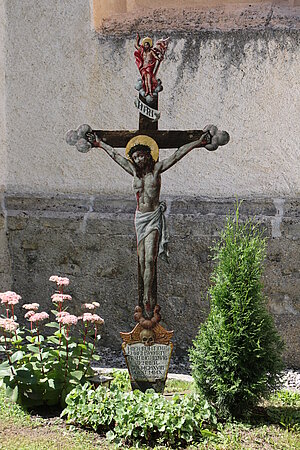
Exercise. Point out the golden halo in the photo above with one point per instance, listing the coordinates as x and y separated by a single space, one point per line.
147 39
143 140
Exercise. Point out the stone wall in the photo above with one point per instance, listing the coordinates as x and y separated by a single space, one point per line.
91 239
69 213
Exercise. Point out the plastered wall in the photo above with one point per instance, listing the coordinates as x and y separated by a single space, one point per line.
60 73
3 149
5 267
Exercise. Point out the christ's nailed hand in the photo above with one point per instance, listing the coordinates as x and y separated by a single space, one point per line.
91 137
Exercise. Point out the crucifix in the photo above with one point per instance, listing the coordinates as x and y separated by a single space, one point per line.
141 161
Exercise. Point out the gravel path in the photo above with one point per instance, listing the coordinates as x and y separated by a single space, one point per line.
291 380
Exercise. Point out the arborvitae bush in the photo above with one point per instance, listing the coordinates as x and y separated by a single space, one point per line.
236 356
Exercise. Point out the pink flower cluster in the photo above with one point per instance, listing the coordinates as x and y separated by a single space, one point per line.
37 317
90 306
60 281
29 314
68 319
8 324
31 306
61 314
93 318
60 298
9 297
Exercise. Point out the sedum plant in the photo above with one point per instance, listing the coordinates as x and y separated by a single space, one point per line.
42 369
236 356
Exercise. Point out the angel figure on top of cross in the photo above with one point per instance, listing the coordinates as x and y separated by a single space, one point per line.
148 59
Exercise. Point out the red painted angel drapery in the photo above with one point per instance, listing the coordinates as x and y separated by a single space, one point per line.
148 59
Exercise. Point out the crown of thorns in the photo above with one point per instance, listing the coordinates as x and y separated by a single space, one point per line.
139 147
142 142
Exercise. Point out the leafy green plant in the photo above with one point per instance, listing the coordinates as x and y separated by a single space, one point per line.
236 356
287 398
120 380
174 386
42 369
144 418
284 410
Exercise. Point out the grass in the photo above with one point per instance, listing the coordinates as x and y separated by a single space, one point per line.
274 425
242 437
173 386
21 431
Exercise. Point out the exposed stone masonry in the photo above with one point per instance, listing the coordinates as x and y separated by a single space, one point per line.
91 240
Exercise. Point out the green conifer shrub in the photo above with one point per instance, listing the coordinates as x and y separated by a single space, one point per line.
236 355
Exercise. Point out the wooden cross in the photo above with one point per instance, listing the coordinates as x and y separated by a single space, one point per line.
148 331
164 138
167 139
84 139
148 59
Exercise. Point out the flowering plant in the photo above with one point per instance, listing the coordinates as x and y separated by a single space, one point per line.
42 369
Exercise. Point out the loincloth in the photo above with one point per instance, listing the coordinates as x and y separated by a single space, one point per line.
147 222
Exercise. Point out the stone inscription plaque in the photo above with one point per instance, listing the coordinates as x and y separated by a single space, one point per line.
148 365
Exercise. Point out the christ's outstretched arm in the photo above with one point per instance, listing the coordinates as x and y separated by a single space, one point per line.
119 159
165 164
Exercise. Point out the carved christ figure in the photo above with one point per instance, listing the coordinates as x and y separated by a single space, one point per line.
143 165
148 59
